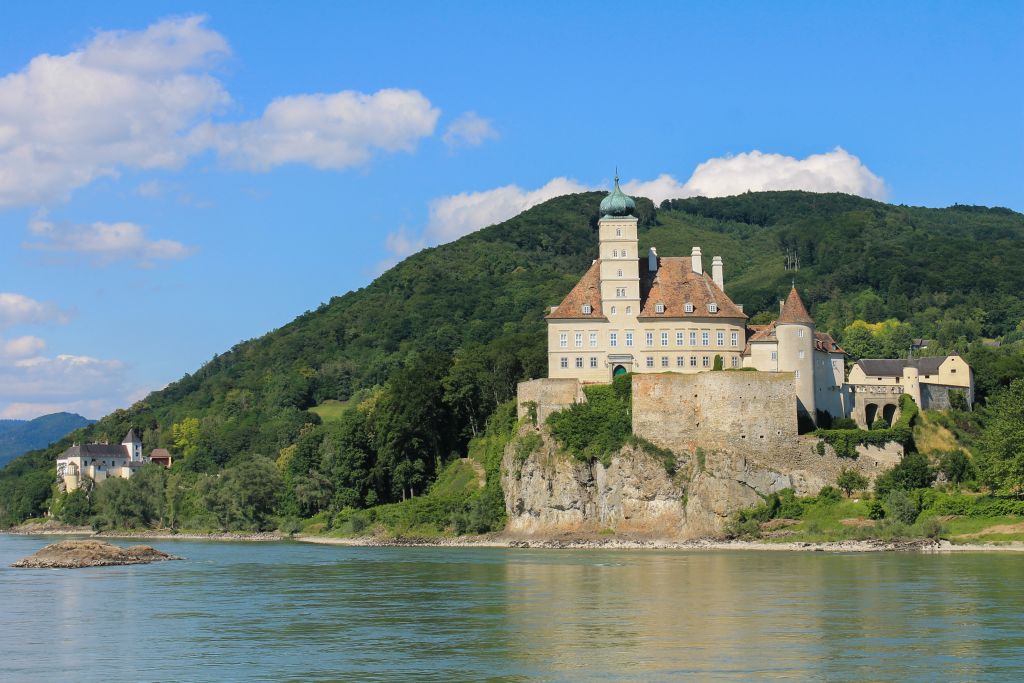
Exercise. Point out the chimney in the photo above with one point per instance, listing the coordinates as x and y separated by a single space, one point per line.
698 264
652 261
716 272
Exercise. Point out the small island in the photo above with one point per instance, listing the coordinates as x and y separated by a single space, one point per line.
89 553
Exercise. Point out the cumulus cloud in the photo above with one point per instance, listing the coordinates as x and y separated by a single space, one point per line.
19 347
123 100
18 309
469 130
835 171
327 131
460 214
105 242
144 100
37 385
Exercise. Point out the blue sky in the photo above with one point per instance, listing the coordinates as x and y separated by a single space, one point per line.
177 177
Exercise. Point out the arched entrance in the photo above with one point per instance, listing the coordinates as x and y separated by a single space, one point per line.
870 411
889 413
619 371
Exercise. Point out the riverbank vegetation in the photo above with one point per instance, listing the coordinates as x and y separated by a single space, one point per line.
367 400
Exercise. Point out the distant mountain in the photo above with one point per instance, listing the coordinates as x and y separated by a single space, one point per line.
21 436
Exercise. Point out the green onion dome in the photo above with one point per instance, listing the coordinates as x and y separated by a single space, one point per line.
617 203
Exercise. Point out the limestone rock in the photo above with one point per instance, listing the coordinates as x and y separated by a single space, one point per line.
90 553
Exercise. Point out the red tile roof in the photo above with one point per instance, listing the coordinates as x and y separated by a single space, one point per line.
794 311
586 291
675 285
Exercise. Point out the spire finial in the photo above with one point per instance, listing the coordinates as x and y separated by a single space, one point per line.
616 174
794 283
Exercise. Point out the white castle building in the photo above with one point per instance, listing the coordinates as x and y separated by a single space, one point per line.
667 314
100 461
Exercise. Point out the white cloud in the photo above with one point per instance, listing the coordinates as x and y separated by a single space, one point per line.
327 131
18 309
123 100
835 171
469 130
39 384
150 189
19 347
144 100
105 242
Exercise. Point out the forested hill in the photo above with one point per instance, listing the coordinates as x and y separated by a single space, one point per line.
432 346
20 436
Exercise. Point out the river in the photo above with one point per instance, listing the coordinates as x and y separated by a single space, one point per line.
237 611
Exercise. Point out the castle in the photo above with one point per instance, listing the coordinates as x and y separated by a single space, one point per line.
100 461
659 314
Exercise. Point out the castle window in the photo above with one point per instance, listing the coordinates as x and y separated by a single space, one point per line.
705 361
563 340
801 354
623 253
679 338
689 307
800 333
735 361
649 338
613 339
615 253
775 355
620 292
659 308
613 310
587 309
735 338
619 271
693 337
705 338
618 232
798 374
693 361
953 371
579 340
664 338
720 338
712 308
564 362
593 361
650 361
579 362
629 310
629 338
680 361
664 361
593 340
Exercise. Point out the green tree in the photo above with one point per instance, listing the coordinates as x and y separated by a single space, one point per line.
1001 448
957 467
850 481
913 472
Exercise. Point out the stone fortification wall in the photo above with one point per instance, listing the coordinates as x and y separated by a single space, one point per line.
755 410
550 396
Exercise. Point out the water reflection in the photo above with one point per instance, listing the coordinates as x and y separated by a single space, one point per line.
288 611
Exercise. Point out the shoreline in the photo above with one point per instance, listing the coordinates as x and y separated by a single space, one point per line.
532 543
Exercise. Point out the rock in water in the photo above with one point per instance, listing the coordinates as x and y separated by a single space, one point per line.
90 553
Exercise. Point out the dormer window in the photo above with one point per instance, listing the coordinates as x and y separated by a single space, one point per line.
659 308
587 309
712 308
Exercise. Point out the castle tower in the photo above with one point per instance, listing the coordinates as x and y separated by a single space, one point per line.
133 445
795 333
620 257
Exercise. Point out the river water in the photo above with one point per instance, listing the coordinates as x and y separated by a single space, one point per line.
292 611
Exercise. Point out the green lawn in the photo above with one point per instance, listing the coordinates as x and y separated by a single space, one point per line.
330 410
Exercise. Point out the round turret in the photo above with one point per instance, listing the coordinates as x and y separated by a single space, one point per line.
617 203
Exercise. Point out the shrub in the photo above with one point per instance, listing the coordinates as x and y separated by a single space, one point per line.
597 428
876 510
913 472
666 457
932 528
902 507
719 363
956 466
527 444
878 424
829 495
738 527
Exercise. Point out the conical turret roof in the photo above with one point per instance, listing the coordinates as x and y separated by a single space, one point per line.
794 311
